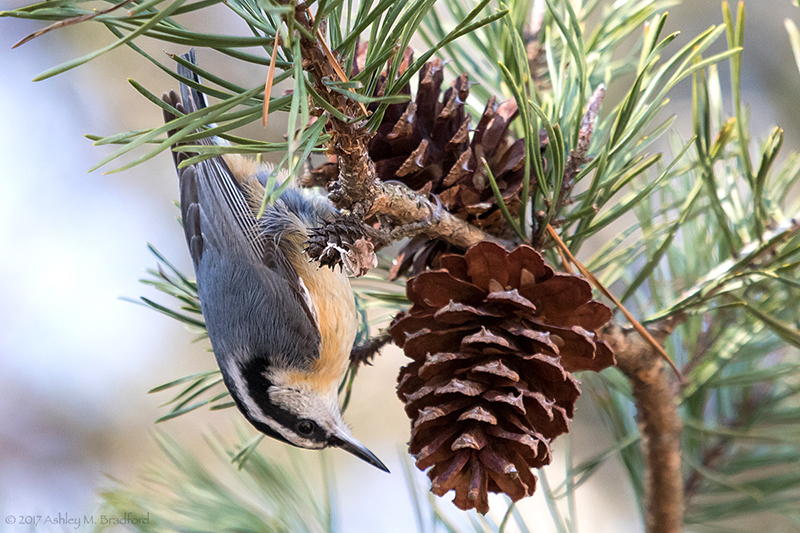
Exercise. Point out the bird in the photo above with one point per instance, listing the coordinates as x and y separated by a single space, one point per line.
281 327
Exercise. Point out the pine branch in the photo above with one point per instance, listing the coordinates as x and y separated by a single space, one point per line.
659 422
358 190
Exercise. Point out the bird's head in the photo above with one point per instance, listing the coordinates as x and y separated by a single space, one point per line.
296 412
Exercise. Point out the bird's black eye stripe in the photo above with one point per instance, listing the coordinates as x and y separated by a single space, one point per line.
306 428
258 385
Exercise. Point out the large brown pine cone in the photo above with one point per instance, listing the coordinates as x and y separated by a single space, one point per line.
429 149
494 338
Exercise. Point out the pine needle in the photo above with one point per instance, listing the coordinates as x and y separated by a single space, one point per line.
69 22
270 77
565 260
635 323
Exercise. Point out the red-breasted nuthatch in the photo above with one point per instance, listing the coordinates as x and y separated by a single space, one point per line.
281 328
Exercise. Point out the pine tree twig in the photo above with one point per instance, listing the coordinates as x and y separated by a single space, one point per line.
641 330
331 59
364 353
412 214
577 157
358 184
658 418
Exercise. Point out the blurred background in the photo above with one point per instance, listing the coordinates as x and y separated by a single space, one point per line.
77 361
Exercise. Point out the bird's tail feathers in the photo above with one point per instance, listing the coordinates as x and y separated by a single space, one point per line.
192 98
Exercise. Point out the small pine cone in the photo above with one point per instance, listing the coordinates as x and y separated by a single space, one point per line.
494 338
338 242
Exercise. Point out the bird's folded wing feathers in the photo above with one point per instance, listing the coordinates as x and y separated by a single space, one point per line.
215 210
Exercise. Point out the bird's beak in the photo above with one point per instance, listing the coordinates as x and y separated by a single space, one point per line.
348 443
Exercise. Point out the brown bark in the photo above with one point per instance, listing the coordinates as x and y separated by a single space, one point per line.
659 422
412 214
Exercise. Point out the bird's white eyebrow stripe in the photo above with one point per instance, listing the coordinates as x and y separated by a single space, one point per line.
255 412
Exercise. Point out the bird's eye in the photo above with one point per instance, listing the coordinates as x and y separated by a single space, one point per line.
306 428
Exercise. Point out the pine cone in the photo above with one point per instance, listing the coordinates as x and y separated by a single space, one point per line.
342 242
426 144
494 338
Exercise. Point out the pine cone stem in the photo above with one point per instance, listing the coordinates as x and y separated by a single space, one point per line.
415 214
659 422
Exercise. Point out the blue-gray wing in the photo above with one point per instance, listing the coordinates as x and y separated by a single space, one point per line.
211 183
252 299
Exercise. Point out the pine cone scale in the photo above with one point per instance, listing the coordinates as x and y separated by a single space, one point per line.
435 289
447 480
